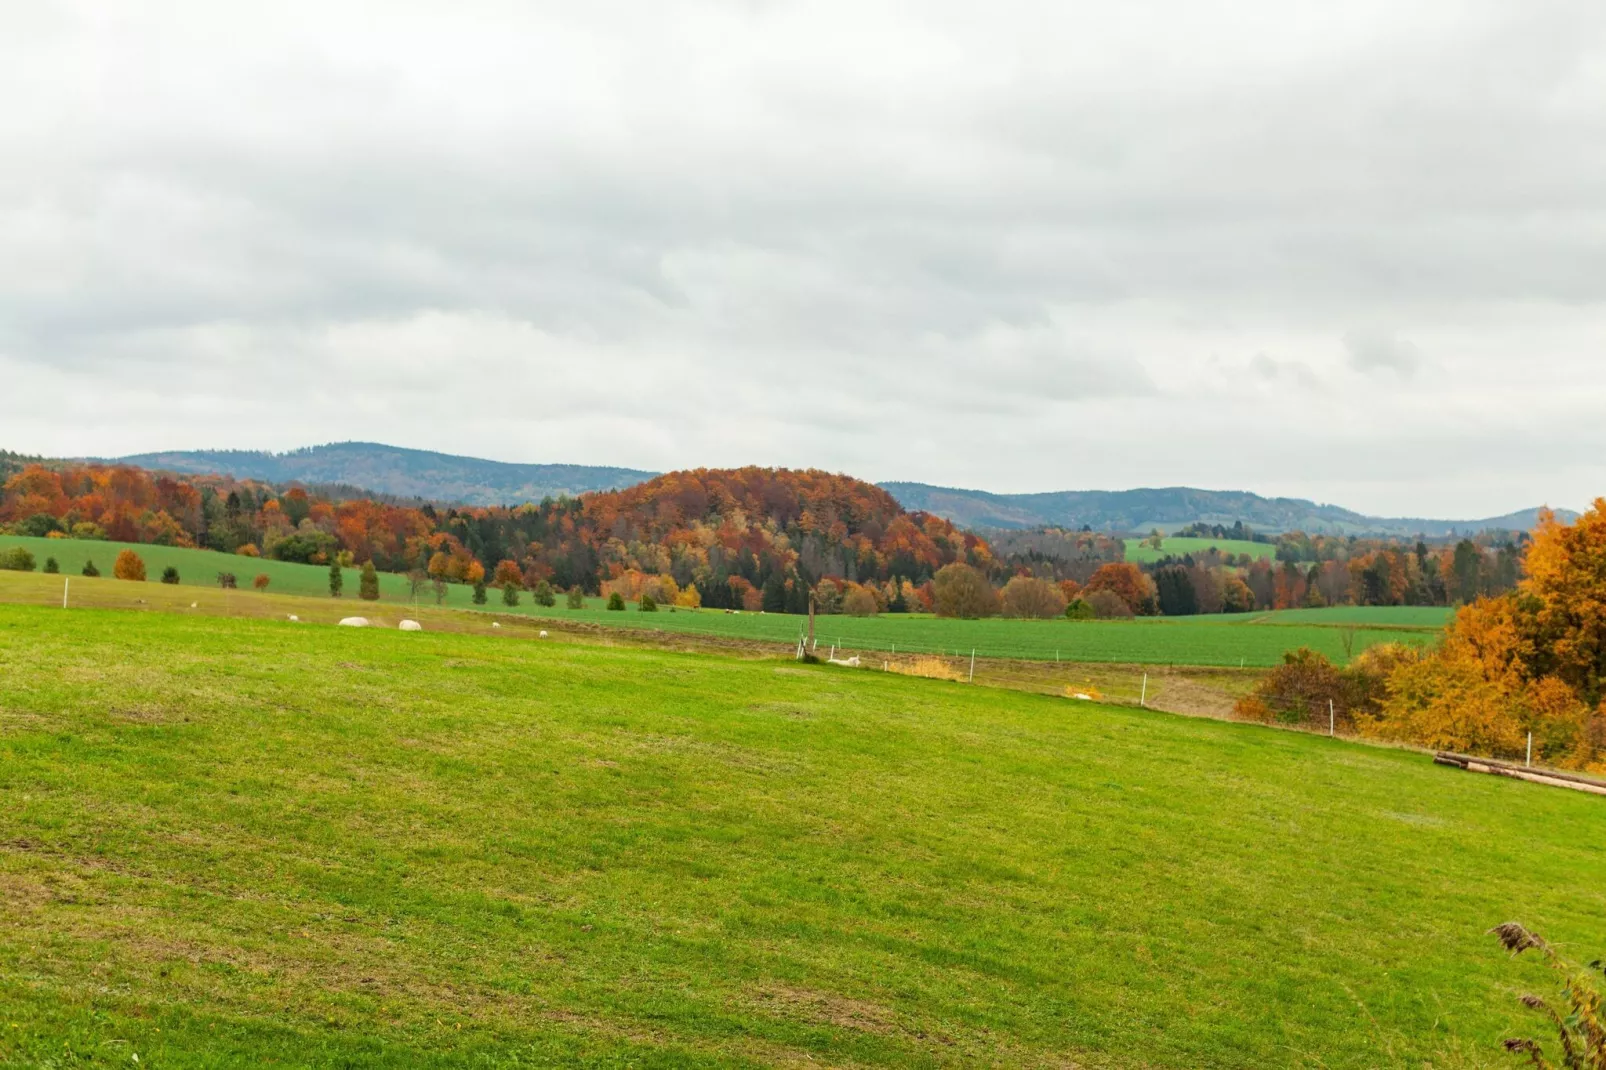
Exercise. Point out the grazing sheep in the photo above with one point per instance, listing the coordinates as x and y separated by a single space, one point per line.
353 622
294 617
410 626
496 624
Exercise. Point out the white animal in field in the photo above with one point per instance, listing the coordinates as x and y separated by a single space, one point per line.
294 617
353 622
496 624
194 604
543 633
410 626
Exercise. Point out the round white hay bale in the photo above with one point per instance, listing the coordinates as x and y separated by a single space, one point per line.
354 622
410 626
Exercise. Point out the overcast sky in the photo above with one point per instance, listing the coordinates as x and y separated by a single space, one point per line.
1349 251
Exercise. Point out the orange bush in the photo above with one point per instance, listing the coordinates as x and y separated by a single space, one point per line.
129 566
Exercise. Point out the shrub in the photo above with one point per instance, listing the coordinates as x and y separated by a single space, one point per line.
576 598
616 602
1106 604
1299 691
1079 609
129 566
87 530
169 574
17 559
39 525
51 566
647 605
1025 596
227 581
89 568
510 594
261 582
337 579
479 591
543 594
1580 1023
249 550
961 591
860 602
368 583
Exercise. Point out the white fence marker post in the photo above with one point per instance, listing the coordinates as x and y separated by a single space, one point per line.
66 582
1332 718
1143 696
972 664
1530 749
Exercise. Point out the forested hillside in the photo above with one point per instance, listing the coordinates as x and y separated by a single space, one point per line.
750 537
402 472
1171 508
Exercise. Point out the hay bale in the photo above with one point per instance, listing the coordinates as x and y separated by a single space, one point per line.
410 626
353 622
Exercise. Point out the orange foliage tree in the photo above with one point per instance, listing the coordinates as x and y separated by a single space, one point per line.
1127 582
1528 661
129 566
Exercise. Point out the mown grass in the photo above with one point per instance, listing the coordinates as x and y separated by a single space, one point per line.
233 842
1178 545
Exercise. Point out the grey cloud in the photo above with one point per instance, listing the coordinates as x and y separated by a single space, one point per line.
1370 352
1034 221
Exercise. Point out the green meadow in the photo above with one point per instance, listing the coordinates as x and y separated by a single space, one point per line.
230 842
1227 640
1177 546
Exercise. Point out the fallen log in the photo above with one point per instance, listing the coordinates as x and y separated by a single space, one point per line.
1553 778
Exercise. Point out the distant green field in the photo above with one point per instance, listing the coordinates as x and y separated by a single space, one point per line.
231 843
1382 616
201 567
1249 640
1176 546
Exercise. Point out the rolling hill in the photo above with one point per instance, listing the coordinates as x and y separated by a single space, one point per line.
1170 508
398 471
441 477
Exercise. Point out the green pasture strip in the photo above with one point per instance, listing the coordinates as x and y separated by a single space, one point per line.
1220 640
1429 618
1177 546
232 843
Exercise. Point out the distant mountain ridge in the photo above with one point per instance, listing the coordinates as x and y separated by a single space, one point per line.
398 471
442 477
1170 508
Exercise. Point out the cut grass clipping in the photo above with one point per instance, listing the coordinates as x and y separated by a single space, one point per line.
230 842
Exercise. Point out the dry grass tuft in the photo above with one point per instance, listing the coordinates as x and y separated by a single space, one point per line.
930 668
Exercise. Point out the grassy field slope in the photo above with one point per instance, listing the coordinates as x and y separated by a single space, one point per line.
201 567
1219 640
230 842
1177 545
